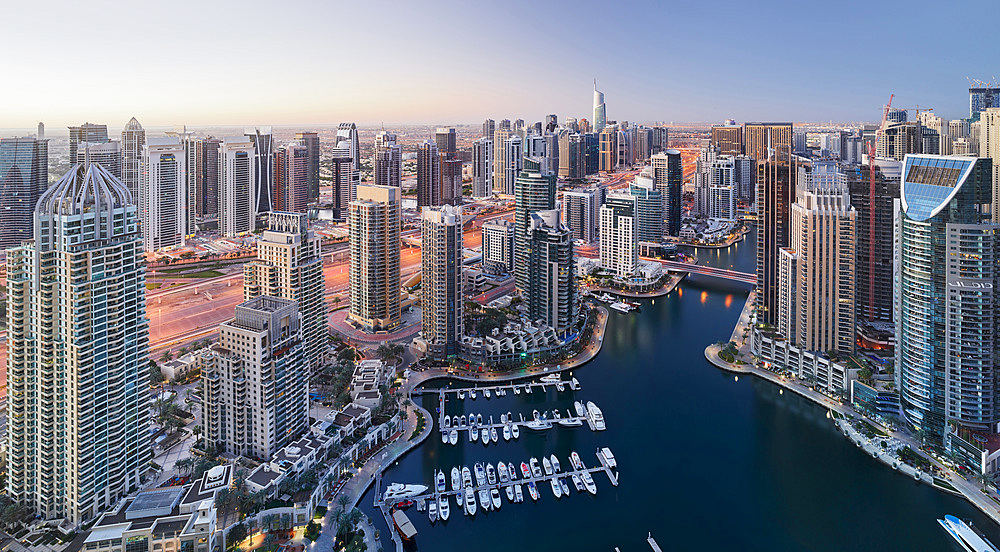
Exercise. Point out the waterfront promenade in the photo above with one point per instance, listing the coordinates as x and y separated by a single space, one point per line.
989 504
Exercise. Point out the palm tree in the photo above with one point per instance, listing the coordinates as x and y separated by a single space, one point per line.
167 356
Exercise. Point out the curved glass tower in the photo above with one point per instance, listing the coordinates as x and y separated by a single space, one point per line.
946 310
600 115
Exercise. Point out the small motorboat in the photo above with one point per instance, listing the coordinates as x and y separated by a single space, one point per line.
404 504
466 476
491 474
533 490
514 432
588 481
485 435
570 422
502 473
444 508
493 435
556 415
517 390
609 458
456 479
518 493
432 511
555 464
470 501
453 437
461 394
472 393
574 459
577 482
454 420
442 485
501 392
565 486
527 388
486 393
510 493
446 421
480 475
575 384
474 434
462 420
444 437
525 471
547 464
503 418
511 471
556 487
495 496
560 386
535 470
479 419
484 498
580 410
506 433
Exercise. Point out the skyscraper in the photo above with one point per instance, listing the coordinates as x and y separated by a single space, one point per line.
289 265
823 242
451 181
348 132
572 165
668 176
619 240
608 138
534 190
388 160
482 167
237 180
428 175
982 98
311 141
106 154
728 138
874 250
88 133
489 127
498 246
649 207
78 362
210 176
256 397
444 139
291 178
551 290
507 160
581 213
947 339
263 161
24 177
989 146
162 198
133 140
374 225
441 279
600 110
722 189
345 180
194 168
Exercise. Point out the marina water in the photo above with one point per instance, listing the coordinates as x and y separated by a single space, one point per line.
705 462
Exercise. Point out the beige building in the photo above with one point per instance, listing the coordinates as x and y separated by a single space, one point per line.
441 280
374 232
816 274
289 265
989 146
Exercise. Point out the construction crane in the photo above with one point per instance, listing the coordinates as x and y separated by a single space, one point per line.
872 148
917 110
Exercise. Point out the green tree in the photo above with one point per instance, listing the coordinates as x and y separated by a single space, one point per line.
167 356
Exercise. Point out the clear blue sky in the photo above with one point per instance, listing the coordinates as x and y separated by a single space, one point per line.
313 62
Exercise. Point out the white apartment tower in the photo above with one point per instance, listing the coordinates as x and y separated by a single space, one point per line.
374 220
133 140
441 279
388 160
619 244
482 167
163 194
989 146
237 180
498 246
289 265
722 189
507 160
255 380
78 351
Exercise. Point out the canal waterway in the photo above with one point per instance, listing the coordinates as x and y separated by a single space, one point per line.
706 462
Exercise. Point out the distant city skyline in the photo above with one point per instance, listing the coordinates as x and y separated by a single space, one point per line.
704 62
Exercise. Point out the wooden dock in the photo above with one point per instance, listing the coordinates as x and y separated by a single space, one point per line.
542 386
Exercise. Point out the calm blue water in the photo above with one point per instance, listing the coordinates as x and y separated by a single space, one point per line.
706 462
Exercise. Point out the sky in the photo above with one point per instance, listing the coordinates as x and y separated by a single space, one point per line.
215 62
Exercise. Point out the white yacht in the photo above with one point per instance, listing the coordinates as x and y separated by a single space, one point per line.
547 464
454 420
511 471
472 393
533 490
493 435
575 384
564 485
442 484
538 425
485 435
570 422
517 390
486 393
577 482
506 433
461 394
480 475
560 386
556 487
574 459
503 418
580 410
514 432
453 437
495 496
432 511
444 509
968 538
621 307
588 481
555 464
444 437
551 378
474 434
462 420
397 491
525 470
510 492
470 501
479 419
446 421
456 479
609 458
466 476
484 498
595 416
535 470
491 474
502 472
518 493
527 388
